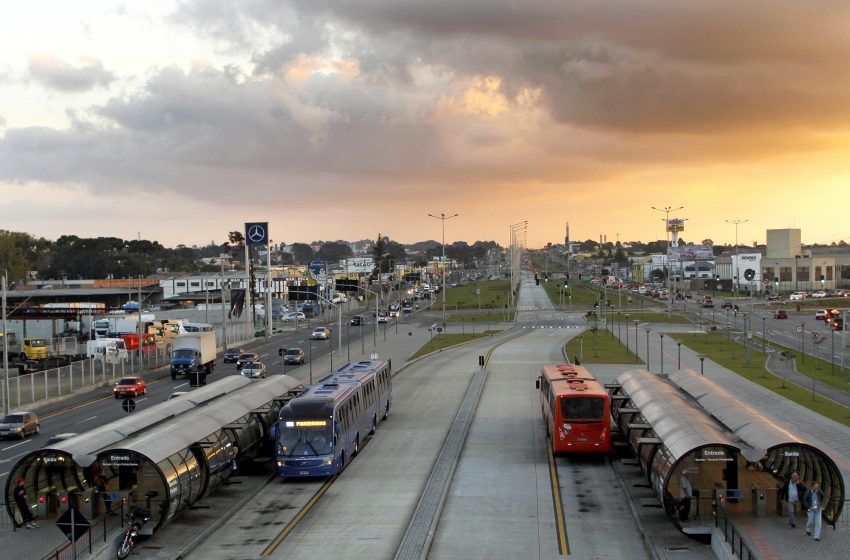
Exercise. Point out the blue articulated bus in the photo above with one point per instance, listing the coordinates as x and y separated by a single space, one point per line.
322 429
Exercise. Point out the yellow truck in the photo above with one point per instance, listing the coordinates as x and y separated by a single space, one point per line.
34 349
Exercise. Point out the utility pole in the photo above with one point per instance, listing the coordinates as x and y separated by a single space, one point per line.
442 217
223 310
6 403
667 210
736 270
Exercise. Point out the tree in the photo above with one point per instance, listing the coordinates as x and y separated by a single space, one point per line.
236 243
13 257
302 253
333 251
379 254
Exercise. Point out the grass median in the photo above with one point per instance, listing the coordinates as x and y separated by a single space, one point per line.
493 295
443 341
731 355
599 347
483 317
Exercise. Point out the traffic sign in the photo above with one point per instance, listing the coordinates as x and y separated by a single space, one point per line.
73 524
815 335
129 405
799 328
746 315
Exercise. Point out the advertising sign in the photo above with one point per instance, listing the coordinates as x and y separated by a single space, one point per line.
691 253
363 265
675 225
256 233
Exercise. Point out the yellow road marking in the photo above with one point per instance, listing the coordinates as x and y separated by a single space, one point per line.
560 524
291 525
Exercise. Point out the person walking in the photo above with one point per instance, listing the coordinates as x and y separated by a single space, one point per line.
791 493
20 496
813 502
685 495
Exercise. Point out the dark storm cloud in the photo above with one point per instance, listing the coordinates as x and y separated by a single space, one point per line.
58 75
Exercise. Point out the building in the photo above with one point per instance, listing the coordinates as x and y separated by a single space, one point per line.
789 267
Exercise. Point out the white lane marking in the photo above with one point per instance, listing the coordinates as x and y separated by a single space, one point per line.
178 386
264 355
4 474
13 457
140 400
86 420
16 445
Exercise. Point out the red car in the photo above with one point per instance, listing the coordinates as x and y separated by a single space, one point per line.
129 387
780 314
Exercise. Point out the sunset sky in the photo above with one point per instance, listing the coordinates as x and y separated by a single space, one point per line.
340 119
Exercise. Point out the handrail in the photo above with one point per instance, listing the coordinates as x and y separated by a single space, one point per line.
732 536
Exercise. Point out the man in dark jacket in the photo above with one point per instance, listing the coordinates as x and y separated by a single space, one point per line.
20 496
791 493
813 502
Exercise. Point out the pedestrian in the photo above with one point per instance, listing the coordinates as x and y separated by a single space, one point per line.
813 502
685 495
792 492
20 495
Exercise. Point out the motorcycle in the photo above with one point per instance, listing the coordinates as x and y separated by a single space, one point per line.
135 521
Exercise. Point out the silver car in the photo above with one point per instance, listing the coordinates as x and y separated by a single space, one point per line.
321 333
254 370
19 425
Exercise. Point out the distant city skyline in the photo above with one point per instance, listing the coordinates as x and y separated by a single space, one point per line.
180 121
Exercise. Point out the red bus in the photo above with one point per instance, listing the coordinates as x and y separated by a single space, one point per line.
576 409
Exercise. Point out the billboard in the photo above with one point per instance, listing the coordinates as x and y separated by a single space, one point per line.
363 265
691 253
675 225
256 233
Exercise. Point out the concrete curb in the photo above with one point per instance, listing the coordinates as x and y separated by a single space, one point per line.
504 332
647 540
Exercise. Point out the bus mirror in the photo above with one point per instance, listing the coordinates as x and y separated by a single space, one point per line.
537 383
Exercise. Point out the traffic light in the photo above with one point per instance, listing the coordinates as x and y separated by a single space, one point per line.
822 279
776 282
566 283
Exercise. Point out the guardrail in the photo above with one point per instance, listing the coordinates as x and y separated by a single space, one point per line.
97 535
732 536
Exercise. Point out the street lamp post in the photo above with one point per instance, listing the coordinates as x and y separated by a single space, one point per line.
736 270
661 353
442 217
647 349
701 363
636 340
6 403
667 210
679 345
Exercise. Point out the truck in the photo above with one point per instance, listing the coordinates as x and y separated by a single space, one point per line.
34 349
192 353
14 348
107 348
132 342
121 324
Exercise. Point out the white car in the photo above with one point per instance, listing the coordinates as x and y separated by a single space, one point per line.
382 318
819 294
321 333
797 296
293 316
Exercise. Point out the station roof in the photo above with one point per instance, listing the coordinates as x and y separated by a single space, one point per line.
160 442
85 447
678 422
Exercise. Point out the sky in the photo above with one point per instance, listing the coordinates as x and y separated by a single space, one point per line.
179 121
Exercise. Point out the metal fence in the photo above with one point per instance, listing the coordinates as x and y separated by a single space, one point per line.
96 536
731 535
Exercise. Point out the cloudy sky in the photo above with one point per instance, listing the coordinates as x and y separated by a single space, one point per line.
340 119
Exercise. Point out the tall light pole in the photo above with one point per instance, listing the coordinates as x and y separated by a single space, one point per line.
735 269
442 217
513 230
6 403
667 210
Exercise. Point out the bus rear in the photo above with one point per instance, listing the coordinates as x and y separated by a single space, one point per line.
584 419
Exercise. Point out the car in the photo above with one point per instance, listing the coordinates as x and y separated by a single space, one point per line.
56 438
294 356
796 296
774 297
832 312
820 294
780 314
706 302
254 370
245 358
294 316
231 355
19 425
176 394
382 317
129 387
726 305
321 333
356 321
820 314
395 313
837 324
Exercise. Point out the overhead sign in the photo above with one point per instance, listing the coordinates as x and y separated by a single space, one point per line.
675 225
73 524
256 233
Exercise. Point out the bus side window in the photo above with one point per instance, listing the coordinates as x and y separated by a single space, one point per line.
552 402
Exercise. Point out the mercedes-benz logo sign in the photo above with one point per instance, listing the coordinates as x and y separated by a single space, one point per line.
256 233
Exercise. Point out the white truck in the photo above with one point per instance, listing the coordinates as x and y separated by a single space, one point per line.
121 324
192 353
107 348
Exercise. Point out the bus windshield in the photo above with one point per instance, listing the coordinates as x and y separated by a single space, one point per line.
582 408
307 441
